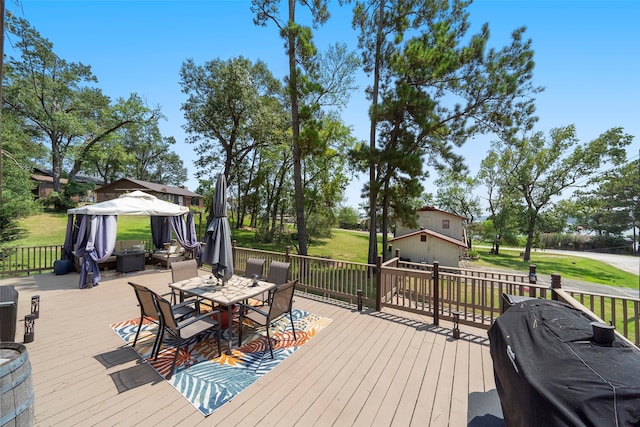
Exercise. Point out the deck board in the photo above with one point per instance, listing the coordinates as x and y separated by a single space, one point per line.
366 368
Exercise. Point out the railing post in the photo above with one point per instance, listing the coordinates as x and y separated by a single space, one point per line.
555 284
287 254
359 295
379 283
436 293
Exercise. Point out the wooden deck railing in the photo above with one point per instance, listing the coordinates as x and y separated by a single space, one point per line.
474 295
621 312
19 260
344 280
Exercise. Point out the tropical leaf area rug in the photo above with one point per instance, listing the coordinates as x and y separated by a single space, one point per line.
207 380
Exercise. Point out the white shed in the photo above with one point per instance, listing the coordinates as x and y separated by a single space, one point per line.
429 246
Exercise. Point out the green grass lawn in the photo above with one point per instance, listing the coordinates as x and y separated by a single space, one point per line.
49 229
344 245
569 267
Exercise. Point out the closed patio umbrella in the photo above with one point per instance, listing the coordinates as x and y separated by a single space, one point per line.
217 250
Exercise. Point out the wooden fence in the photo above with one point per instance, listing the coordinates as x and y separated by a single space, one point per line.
473 296
344 280
621 312
20 260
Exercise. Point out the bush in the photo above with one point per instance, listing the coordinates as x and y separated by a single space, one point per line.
612 244
9 230
59 201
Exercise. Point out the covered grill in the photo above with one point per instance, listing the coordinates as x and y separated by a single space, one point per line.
549 371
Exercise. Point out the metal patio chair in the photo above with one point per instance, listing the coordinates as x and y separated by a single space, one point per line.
281 302
183 330
149 311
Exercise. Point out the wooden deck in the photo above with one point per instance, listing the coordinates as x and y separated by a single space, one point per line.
366 368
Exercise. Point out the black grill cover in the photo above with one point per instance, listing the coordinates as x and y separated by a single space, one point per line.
548 372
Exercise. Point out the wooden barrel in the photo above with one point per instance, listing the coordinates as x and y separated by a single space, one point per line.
16 386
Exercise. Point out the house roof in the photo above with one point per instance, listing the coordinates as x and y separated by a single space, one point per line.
46 178
432 209
121 184
46 175
432 234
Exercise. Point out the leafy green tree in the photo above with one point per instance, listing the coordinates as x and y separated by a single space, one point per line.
348 217
381 26
539 169
225 105
613 205
456 194
300 52
58 104
504 208
110 161
20 156
318 85
137 151
440 87
275 188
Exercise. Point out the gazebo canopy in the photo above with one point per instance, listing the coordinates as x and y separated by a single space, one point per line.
93 232
134 203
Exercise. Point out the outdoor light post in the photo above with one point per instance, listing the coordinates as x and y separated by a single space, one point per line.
533 277
35 306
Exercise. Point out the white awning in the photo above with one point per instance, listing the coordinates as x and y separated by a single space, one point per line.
134 203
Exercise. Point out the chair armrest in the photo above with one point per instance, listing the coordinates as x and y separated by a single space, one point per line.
202 316
254 309
184 304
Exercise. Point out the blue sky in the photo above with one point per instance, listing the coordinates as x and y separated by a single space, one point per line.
587 56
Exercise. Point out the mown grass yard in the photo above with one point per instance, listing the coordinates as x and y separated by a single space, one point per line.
49 229
569 267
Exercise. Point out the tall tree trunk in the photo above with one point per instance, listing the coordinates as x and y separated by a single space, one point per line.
295 124
531 228
385 228
373 189
56 166
276 197
242 198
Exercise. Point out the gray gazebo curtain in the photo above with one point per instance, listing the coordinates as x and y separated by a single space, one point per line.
96 238
67 247
185 232
160 231
95 243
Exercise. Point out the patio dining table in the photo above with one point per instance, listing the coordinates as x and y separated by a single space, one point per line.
235 290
